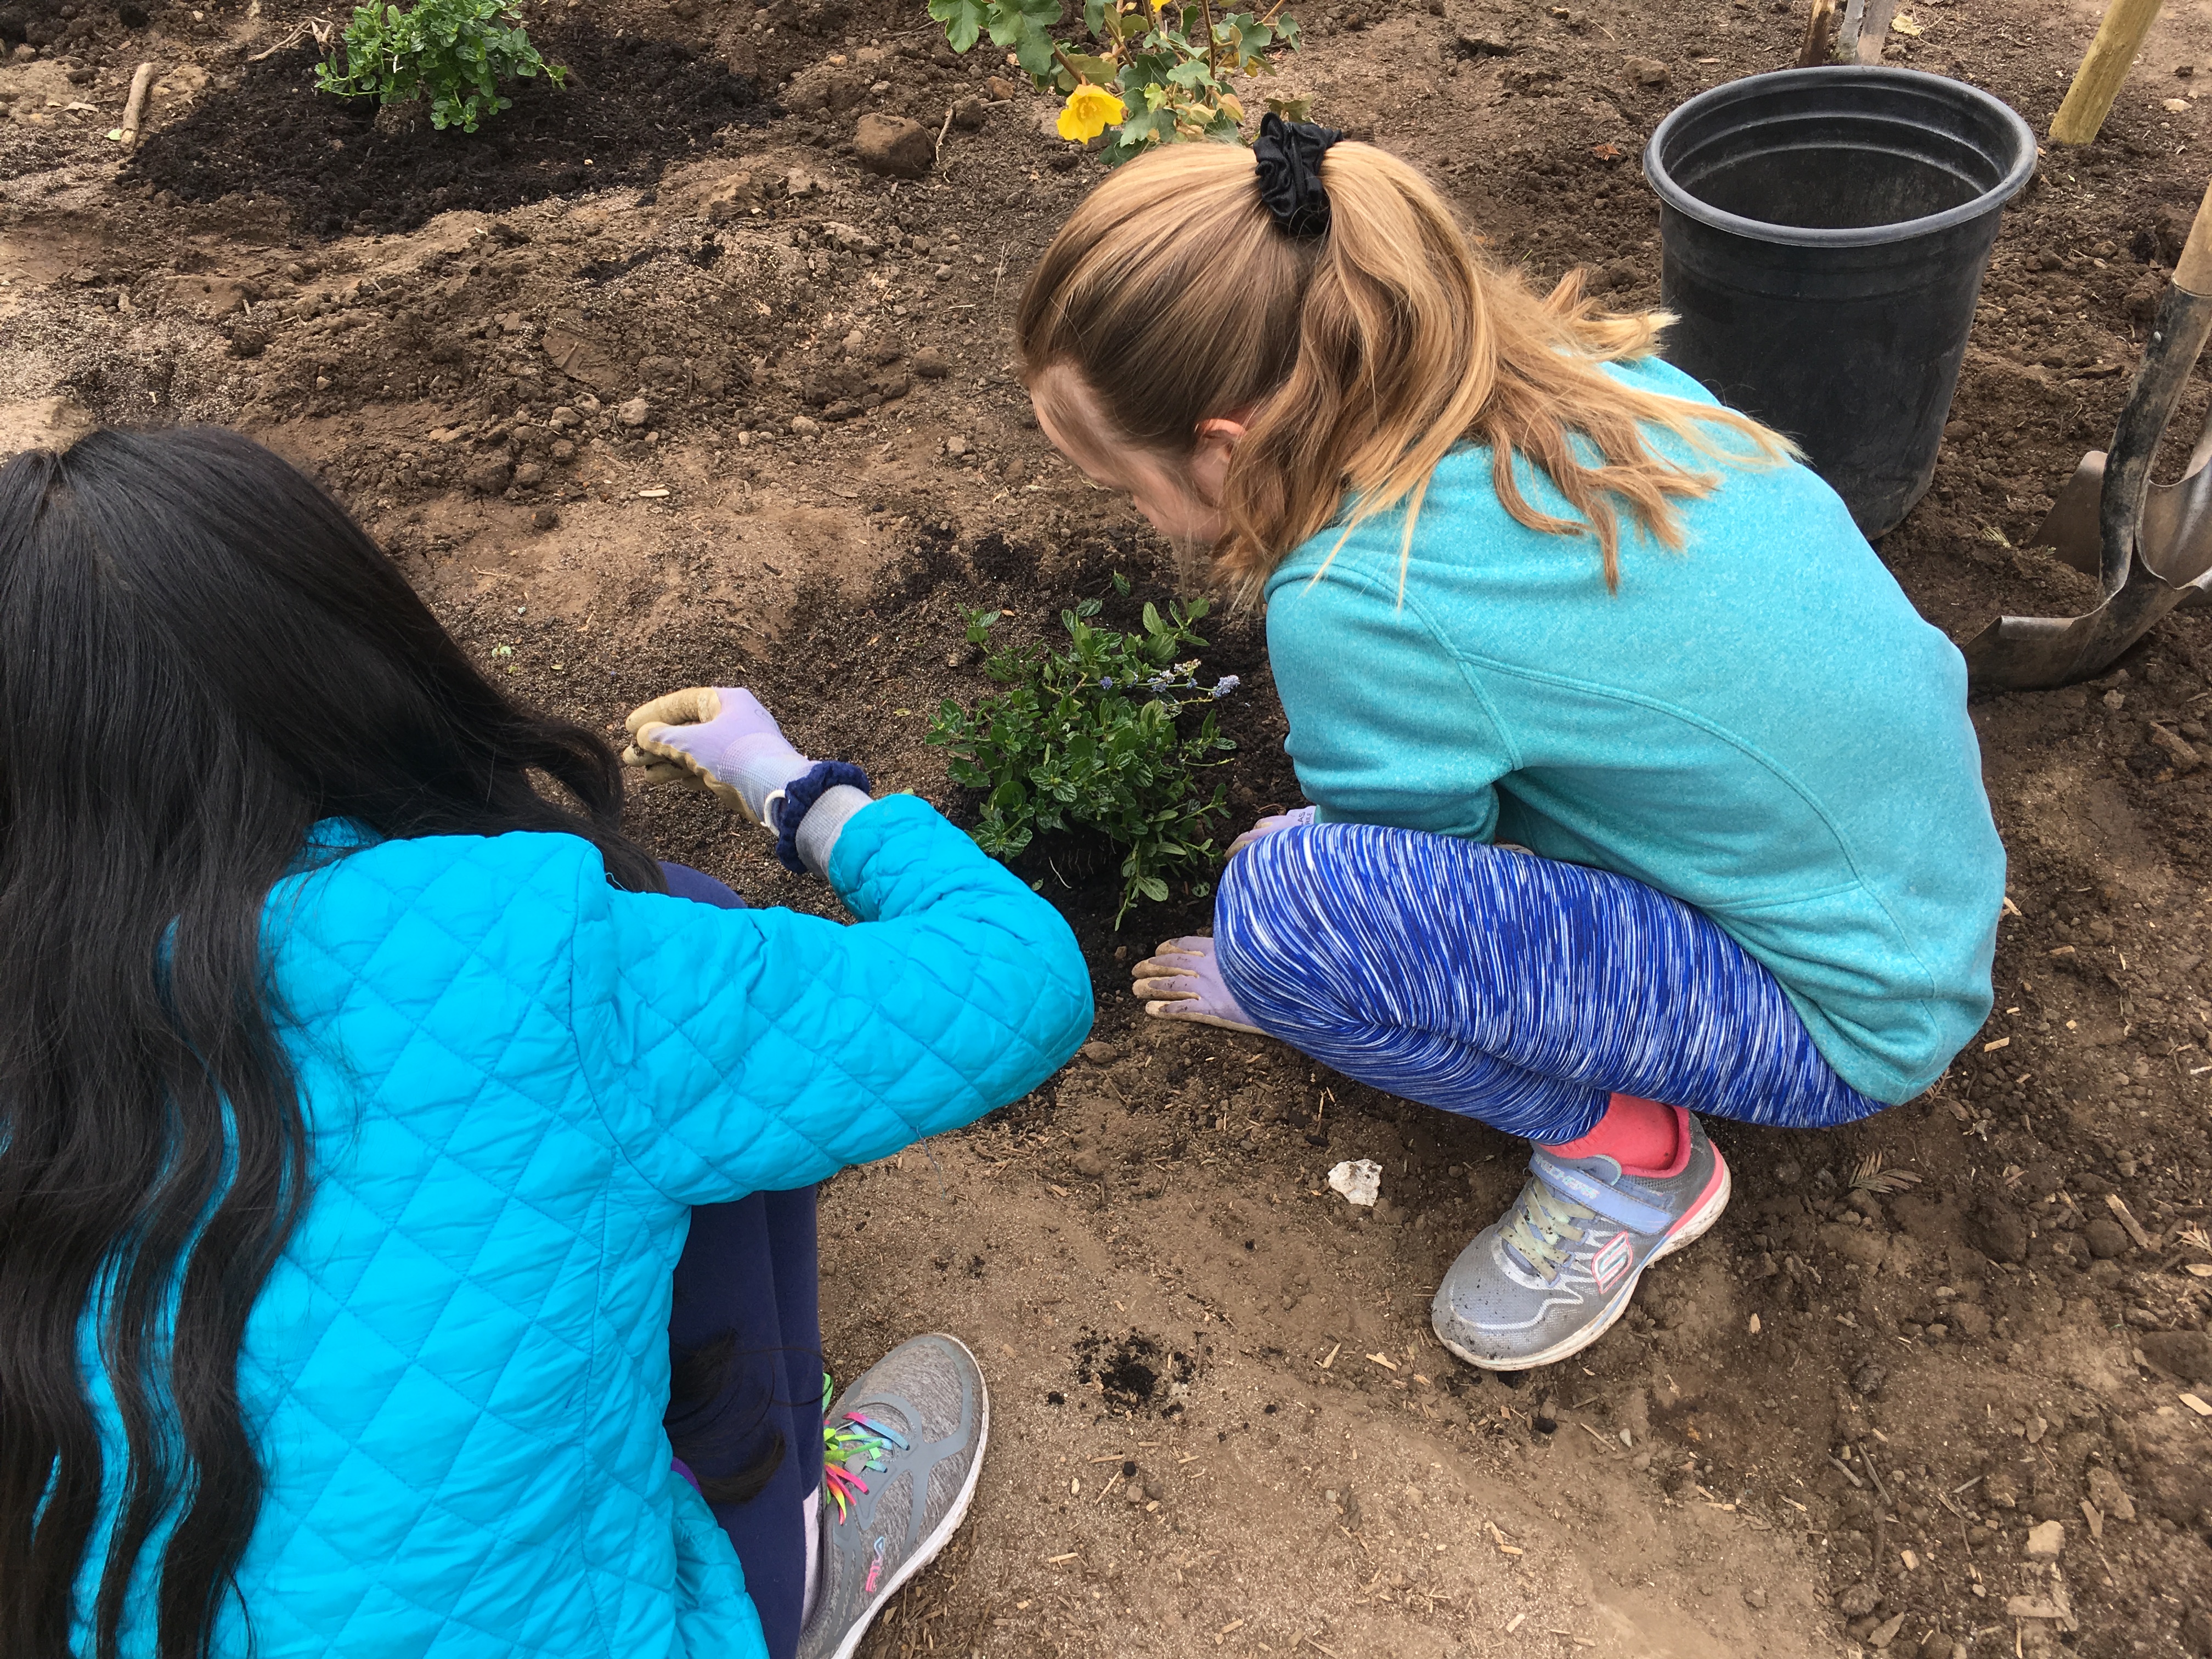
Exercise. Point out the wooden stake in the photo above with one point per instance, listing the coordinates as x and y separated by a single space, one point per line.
134 106
1874 29
1818 27
2105 64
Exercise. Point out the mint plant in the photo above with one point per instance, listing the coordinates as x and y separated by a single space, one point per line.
454 52
1096 737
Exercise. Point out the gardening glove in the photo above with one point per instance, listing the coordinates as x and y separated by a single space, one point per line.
1297 817
718 738
1181 980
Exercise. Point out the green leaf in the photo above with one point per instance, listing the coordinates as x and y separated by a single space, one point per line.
1153 889
962 21
1293 109
1024 28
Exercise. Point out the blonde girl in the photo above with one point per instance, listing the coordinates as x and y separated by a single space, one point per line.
1637 787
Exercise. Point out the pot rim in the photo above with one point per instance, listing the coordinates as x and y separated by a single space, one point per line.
1672 194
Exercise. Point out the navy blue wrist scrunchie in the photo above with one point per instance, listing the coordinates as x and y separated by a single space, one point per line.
1289 153
798 798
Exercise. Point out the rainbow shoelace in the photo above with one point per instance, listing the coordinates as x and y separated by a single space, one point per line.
851 1446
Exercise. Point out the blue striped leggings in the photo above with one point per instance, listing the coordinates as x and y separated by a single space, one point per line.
1509 987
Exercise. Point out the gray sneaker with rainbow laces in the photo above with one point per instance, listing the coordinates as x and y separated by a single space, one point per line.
1551 1275
903 1446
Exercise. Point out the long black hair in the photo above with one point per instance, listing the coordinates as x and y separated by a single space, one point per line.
201 655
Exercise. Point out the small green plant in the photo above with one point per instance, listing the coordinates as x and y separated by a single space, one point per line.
1155 71
454 52
1094 737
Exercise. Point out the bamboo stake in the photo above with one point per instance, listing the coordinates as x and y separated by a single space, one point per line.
2105 64
134 106
1818 26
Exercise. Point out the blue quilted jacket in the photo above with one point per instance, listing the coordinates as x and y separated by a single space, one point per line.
518 1079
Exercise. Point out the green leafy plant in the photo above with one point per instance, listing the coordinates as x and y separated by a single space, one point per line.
1156 73
454 52
1096 736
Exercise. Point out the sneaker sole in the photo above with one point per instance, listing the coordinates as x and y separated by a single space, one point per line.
927 1551
1692 1227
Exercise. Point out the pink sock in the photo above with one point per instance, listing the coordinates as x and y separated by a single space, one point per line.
1640 1135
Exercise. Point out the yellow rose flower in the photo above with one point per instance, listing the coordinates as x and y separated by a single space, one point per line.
1091 110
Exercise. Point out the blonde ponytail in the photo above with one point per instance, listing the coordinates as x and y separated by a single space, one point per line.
1357 361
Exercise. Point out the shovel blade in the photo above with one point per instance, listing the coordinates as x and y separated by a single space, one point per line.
2070 529
2176 525
2033 653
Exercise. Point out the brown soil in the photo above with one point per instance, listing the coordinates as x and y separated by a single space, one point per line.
1223 1427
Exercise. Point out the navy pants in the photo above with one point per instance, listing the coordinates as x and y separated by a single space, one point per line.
749 1278
1513 988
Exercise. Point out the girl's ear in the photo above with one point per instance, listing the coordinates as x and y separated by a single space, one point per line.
1209 462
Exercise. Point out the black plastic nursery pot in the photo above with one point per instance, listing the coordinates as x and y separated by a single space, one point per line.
1824 233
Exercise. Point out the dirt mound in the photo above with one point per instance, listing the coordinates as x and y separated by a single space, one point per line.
1134 1373
631 104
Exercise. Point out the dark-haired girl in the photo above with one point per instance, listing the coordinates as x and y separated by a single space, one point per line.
358 1080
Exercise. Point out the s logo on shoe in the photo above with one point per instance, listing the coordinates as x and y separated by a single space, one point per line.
876 1567
1613 1260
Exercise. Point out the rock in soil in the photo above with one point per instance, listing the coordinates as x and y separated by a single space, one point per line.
2106 1492
2185 1354
894 144
2106 1238
2044 1540
489 477
1857 1600
1998 1228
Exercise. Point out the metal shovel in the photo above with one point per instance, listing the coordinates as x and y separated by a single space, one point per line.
2150 548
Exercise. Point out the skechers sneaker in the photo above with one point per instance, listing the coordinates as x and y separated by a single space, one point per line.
1550 1276
902 1448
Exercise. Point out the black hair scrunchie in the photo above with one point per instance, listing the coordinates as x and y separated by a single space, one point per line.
1289 153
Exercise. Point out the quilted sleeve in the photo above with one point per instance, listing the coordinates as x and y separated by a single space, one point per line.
738 1051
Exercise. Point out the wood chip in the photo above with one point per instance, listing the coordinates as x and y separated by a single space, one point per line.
1992 1048
2196 1405
1516 1624
1333 1353
651 495
1055 1561
2118 1207
1383 1360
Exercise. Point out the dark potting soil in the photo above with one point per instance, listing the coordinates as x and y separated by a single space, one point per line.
630 104
65 24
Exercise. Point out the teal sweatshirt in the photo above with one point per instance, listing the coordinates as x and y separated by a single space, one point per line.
1759 725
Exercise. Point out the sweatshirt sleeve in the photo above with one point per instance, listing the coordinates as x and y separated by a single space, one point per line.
738 1051
1386 725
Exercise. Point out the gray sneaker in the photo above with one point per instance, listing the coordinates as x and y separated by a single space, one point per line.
1549 1276
903 1447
